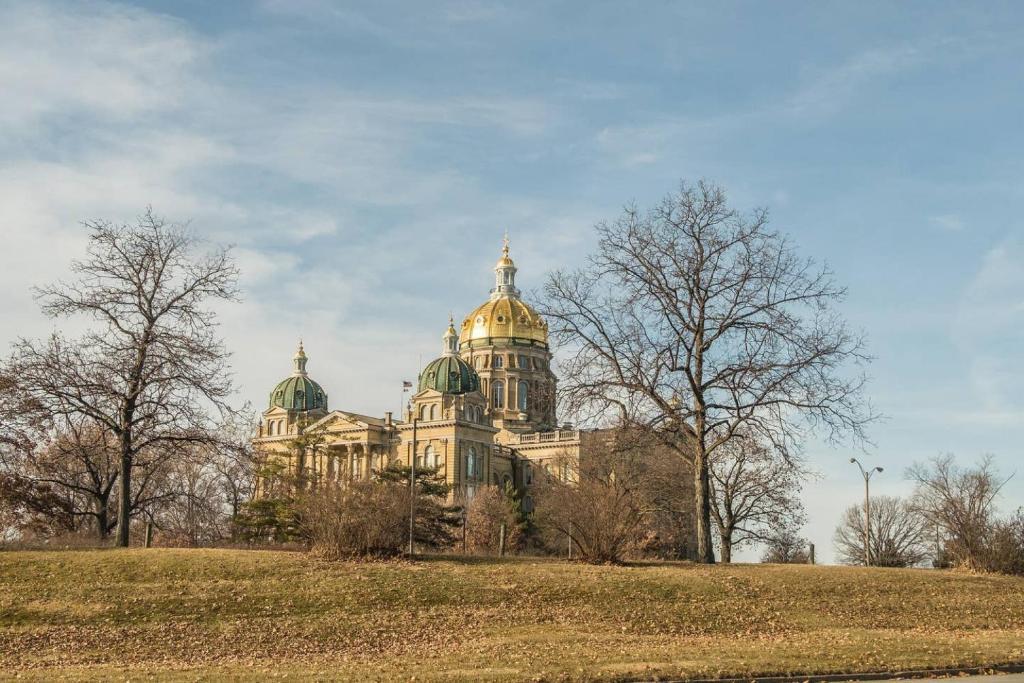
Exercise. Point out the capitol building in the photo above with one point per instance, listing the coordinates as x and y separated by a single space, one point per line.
482 413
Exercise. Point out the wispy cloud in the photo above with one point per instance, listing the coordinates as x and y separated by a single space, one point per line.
947 222
91 60
821 91
988 329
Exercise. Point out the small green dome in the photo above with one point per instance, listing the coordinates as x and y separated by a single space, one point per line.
449 375
299 392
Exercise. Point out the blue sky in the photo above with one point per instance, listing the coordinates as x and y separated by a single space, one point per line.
365 160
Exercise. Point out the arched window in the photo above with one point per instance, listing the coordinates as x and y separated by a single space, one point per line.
498 394
498 362
429 457
433 411
521 395
423 412
478 362
471 469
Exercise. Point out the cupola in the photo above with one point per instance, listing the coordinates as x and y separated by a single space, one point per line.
299 392
449 374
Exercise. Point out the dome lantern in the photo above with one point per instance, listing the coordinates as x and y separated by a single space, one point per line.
451 339
504 275
300 361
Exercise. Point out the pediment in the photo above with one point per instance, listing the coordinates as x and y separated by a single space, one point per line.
339 420
427 394
275 411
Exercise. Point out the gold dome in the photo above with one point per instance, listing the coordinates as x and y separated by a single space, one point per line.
504 317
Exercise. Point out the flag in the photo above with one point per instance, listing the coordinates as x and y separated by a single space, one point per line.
406 384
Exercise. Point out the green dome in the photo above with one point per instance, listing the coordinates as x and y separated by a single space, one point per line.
298 393
450 375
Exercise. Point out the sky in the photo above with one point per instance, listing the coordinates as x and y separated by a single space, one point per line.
365 159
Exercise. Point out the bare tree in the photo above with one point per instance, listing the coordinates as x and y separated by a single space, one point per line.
237 461
960 501
30 508
152 366
80 459
697 322
786 547
753 492
195 512
898 534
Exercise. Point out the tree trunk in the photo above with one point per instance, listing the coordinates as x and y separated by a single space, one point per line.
702 500
702 486
101 503
725 547
124 503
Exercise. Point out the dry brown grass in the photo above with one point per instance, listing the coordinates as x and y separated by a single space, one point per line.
238 615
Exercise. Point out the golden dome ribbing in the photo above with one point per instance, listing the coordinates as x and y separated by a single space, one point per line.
504 318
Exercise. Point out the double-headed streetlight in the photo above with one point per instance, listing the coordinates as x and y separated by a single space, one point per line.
867 508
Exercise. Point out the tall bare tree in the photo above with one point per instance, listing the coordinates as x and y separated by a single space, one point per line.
697 322
961 501
152 367
754 493
899 535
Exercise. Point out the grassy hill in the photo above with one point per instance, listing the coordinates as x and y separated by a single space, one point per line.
234 615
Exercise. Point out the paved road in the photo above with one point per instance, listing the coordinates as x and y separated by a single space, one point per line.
991 678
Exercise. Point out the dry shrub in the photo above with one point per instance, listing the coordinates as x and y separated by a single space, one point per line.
1004 552
489 509
360 519
600 505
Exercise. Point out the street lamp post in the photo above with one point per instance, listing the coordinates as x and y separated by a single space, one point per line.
412 489
867 507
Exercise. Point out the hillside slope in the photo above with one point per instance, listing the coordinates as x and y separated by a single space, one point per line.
229 614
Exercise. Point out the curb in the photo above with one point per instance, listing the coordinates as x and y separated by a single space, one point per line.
993 669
